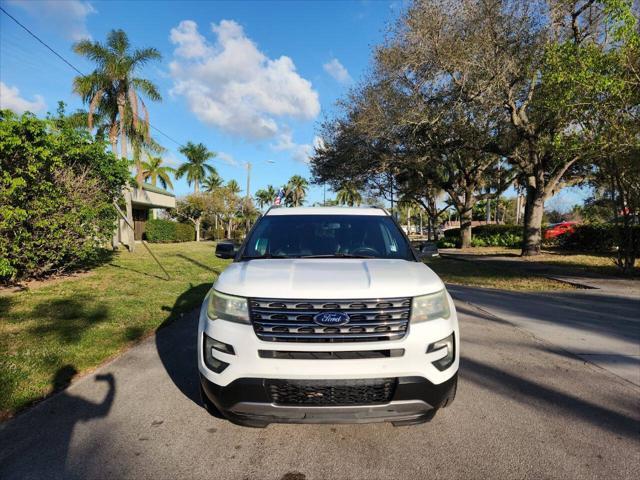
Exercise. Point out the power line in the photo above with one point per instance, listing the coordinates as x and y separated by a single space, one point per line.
73 66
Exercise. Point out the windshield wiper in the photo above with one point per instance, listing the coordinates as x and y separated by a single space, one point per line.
266 255
337 255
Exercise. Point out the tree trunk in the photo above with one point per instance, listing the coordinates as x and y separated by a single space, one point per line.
196 187
123 154
466 216
113 138
129 235
197 225
139 179
533 211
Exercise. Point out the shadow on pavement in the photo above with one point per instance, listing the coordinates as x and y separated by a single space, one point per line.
54 441
609 316
176 341
526 391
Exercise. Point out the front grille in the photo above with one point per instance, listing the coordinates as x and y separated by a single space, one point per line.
293 320
338 355
331 392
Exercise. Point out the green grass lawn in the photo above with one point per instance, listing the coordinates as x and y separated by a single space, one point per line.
480 274
76 324
570 262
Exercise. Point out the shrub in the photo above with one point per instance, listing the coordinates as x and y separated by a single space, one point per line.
446 243
57 186
237 235
160 231
489 236
216 233
185 232
602 238
165 231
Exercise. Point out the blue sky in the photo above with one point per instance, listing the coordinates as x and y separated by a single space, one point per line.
251 80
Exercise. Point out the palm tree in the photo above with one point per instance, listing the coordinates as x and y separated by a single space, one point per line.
196 167
296 189
273 193
113 90
263 198
234 187
212 182
113 93
349 195
154 170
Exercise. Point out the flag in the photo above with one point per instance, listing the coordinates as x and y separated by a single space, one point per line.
279 197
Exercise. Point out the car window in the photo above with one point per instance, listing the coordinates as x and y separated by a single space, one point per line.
327 235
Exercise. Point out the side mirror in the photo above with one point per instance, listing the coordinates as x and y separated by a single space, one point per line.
226 250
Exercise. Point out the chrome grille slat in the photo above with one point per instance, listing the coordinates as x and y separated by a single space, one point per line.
368 329
280 320
268 315
347 326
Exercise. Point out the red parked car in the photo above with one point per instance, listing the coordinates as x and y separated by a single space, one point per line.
558 229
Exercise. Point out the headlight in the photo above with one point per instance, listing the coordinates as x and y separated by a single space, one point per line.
227 307
430 307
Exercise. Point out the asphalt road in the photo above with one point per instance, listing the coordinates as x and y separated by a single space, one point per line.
598 327
525 409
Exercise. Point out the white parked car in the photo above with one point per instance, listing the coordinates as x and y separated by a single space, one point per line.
327 315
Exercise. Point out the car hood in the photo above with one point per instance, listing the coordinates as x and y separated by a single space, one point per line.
328 278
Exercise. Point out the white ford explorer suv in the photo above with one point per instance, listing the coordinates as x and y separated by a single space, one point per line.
327 315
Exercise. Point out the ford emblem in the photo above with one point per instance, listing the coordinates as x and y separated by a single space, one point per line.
331 319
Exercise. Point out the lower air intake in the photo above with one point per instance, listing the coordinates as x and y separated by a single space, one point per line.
331 392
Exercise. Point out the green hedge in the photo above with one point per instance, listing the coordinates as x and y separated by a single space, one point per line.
486 236
165 231
185 232
602 238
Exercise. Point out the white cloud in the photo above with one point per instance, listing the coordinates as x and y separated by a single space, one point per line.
227 158
190 43
232 85
300 152
10 98
67 16
337 71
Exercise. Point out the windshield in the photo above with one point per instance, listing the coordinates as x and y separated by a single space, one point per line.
335 236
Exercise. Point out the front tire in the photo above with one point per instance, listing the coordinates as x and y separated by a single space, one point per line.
208 405
452 394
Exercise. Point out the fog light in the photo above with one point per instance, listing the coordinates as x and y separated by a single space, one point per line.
450 344
221 347
212 363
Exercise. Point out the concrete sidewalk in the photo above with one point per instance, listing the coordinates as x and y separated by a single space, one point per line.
599 328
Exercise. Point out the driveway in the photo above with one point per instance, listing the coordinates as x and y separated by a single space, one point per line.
525 409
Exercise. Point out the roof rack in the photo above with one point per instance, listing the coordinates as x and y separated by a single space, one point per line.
270 207
380 208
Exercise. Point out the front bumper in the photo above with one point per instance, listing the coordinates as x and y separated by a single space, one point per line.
238 390
246 402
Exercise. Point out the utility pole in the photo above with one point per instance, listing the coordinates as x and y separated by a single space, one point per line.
248 197
248 179
324 194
